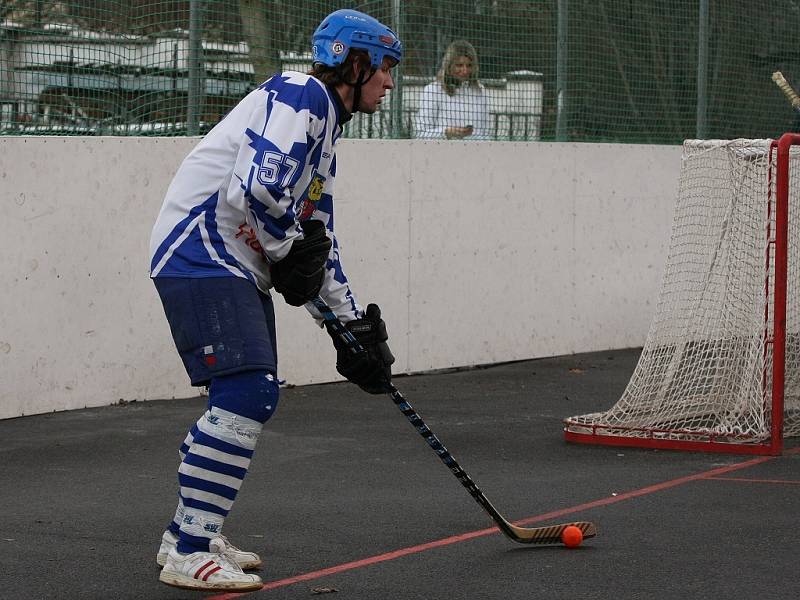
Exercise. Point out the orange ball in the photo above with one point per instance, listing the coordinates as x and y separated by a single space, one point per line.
572 536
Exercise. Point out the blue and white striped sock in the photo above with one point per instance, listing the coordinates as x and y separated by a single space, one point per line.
175 525
214 465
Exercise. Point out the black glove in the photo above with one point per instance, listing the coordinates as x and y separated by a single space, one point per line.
299 275
371 370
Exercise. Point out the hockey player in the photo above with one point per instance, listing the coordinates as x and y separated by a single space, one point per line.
251 208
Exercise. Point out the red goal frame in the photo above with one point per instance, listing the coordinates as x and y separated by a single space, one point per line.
774 445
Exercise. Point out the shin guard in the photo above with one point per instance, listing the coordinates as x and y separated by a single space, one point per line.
218 455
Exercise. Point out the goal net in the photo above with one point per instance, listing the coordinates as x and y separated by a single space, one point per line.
716 373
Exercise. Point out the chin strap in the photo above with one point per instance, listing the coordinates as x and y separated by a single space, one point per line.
362 79
357 91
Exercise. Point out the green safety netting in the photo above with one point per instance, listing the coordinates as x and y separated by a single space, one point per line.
649 71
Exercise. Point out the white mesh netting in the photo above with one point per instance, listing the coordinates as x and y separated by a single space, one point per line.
705 373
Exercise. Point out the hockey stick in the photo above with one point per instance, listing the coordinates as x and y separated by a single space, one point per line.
550 534
791 95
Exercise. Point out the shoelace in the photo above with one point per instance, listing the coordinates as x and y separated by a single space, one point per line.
227 561
228 545
229 549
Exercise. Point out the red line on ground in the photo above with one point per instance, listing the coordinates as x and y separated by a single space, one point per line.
749 480
650 489
364 562
367 561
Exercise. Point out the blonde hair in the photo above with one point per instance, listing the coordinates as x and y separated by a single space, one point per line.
454 51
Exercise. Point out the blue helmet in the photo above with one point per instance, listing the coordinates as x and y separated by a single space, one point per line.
345 29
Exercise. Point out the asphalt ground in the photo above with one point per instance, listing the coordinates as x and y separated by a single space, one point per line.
345 498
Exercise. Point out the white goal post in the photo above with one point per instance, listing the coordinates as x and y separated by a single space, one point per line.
720 369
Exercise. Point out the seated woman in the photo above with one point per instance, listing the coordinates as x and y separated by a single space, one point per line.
455 106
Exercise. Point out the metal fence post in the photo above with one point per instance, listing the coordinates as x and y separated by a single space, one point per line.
562 103
396 129
702 72
196 79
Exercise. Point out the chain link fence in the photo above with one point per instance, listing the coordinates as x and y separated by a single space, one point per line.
644 71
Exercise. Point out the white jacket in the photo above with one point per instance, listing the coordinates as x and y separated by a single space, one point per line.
438 111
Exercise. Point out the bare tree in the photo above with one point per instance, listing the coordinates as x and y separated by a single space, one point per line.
258 25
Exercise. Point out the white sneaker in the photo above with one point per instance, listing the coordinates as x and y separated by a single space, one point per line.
207 571
245 560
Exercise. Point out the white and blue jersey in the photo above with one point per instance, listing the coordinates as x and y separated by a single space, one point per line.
239 199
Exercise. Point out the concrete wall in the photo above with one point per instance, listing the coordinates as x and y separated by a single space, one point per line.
477 253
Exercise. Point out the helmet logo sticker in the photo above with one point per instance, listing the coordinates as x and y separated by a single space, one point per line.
388 40
337 47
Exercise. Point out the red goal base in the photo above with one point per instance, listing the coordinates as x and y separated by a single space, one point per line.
702 443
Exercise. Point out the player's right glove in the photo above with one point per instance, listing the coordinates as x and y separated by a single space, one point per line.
371 370
300 274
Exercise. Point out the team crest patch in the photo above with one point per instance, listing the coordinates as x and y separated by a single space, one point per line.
337 47
315 189
313 194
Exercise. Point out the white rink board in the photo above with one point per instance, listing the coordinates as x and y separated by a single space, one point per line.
477 252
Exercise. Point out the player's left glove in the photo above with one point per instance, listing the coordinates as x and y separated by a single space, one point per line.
371 370
300 274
